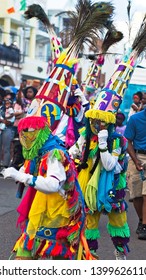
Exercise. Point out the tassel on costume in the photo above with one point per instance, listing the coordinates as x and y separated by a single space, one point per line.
84 251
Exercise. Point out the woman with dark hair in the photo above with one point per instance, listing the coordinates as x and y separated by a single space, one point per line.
17 157
29 94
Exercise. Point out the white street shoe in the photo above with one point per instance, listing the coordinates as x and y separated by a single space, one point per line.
119 255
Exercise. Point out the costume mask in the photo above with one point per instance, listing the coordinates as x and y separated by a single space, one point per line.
33 133
97 125
28 137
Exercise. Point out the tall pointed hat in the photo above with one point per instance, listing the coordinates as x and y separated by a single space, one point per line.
66 129
110 97
112 36
51 99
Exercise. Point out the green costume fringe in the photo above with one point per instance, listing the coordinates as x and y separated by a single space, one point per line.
92 233
120 249
122 181
116 143
93 152
43 135
82 131
118 231
56 154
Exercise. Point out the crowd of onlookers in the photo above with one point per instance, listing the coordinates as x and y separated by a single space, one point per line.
13 107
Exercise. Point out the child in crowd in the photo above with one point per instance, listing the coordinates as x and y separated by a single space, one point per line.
120 127
9 113
136 105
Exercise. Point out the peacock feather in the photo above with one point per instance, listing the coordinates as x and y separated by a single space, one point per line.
87 22
139 43
92 79
37 11
112 37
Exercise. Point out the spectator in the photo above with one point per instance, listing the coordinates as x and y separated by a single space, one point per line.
24 98
9 111
143 101
9 95
120 127
7 134
29 94
17 157
23 84
14 45
136 105
135 132
2 125
18 112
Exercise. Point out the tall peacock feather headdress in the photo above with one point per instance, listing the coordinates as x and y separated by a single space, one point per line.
110 98
51 100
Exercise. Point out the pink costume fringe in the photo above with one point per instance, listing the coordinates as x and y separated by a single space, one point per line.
24 207
70 137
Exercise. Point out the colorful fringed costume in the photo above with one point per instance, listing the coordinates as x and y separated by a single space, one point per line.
51 214
104 190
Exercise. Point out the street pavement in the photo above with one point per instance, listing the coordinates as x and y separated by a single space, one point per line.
9 232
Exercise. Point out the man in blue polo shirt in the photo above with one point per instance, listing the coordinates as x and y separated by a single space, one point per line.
136 134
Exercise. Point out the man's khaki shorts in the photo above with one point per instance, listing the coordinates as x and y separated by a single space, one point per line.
136 186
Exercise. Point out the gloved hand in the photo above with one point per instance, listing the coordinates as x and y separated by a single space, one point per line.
74 151
80 94
11 172
102 139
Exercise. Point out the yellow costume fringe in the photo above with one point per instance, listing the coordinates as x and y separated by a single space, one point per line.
107 117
